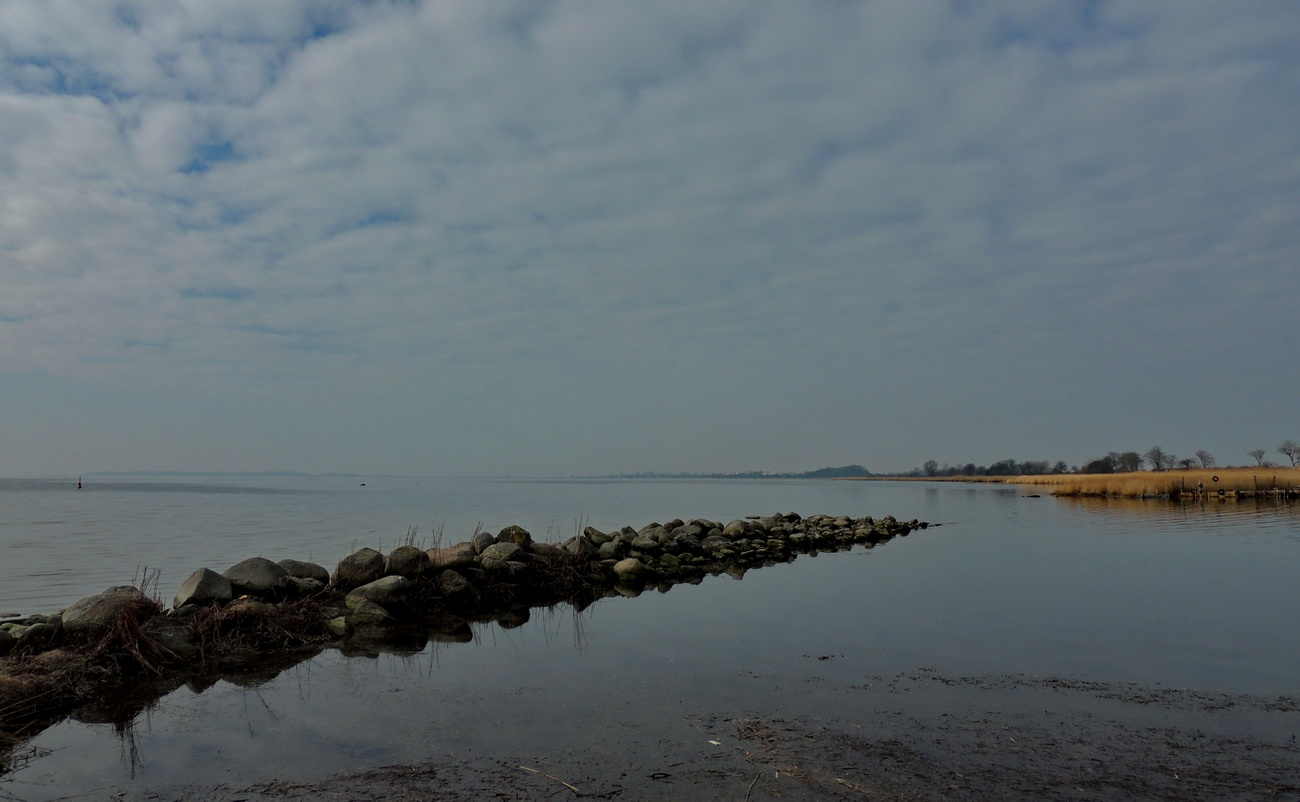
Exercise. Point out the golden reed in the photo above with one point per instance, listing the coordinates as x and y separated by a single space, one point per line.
1234 481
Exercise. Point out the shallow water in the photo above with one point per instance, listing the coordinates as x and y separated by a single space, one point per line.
1180 595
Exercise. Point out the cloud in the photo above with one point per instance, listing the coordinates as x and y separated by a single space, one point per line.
519 200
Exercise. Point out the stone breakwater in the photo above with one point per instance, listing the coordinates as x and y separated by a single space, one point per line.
374 602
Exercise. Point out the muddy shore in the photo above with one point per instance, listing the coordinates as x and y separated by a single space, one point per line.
917 736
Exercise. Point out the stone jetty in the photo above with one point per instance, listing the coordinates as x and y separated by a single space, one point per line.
373 602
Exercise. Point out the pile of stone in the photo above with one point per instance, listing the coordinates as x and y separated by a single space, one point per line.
486 577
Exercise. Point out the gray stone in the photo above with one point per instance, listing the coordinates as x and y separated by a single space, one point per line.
545 550
515 534
580 546
495 557
302 586
95 615
481 541
305 570
7 643
596 536
687 538
174 637
357 569
656 533
366 613
204 586
386 591
629 570
457 556
408 561
645 543
734 529
35 634
613 550
457 589
339 627
256 576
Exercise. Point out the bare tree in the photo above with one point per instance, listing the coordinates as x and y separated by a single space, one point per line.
1187 463
1258 454
1129 462
1292 451
1160 461
1206 458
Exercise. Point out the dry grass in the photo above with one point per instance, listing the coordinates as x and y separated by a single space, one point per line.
1169 483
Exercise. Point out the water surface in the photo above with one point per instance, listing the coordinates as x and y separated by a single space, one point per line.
1198 596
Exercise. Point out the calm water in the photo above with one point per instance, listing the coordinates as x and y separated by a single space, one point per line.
1194 596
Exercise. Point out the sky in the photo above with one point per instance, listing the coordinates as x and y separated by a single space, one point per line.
579 237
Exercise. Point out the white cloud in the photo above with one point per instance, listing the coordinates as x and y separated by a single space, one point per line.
452 198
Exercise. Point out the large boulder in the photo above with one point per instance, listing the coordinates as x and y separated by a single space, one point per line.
457 556
204 586
95 615
496 556
515 534
630 570
457 589
256 576
387 591
735 529
298 569
357 569
481 541
407 561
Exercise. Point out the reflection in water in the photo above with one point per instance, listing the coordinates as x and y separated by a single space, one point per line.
1208 511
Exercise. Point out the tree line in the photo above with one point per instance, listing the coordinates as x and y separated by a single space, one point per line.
1155 458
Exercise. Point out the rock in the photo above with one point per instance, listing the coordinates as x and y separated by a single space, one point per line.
545 550
580 546
7 642
496 556
456 556
656 533
734 529
204 586
596 536
256 576
687 538
95 615
174 637
645 543
408 561
339 627
305 570
481 541
515 534
458 590
302 586
613 550
365 613
386 591
35 635
629 570
357 569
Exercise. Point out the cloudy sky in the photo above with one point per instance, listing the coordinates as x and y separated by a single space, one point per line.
556 237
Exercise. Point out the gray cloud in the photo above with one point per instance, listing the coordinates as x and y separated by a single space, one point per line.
554 237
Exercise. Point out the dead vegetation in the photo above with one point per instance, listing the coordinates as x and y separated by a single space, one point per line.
1235 482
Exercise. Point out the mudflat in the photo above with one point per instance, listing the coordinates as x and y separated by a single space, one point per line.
920 735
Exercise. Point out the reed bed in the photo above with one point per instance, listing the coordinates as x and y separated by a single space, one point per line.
1144 484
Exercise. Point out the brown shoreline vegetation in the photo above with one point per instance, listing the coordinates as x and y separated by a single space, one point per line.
1194 483
123 643
1225 483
